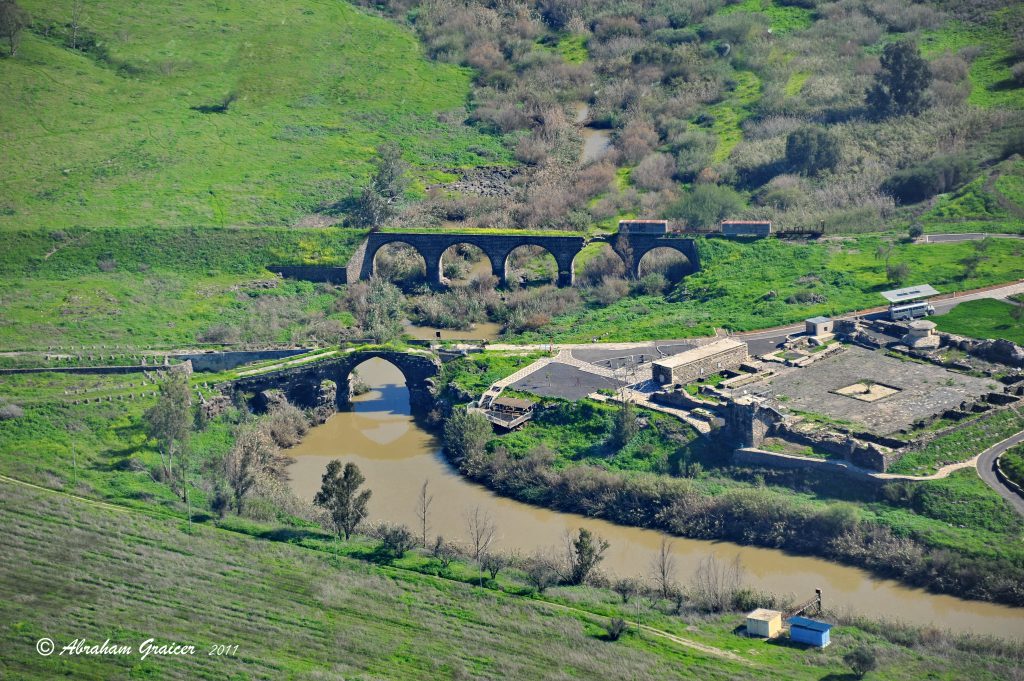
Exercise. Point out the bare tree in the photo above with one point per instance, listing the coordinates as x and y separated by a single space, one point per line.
541 571
13 20
76 22
444 551
481 531
253 456
626 588
663 569
716 583
423 503
495 563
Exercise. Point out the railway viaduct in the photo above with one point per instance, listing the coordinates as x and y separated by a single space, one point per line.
497 247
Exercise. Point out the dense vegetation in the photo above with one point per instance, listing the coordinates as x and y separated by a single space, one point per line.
900 533
839 113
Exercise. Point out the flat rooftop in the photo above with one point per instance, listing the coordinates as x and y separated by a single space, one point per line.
701 352
902 295
763 614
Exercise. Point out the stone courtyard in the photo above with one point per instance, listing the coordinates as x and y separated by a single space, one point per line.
922 390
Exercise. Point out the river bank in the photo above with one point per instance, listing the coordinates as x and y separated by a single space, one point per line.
397 456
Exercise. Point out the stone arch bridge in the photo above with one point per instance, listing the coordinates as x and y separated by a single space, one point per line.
497 247
302 384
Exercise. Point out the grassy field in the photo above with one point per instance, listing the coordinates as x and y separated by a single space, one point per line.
292 613
847 273
128 129
960 445
579 432
990 75
162 286
329 616
982 319
994 202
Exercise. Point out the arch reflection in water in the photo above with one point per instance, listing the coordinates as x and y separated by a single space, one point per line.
396 456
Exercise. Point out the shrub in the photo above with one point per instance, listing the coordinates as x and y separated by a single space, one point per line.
920 182
605 264
861 660
616 627
811 150
10 411
706 205
611 290
653 284
395 540
654 172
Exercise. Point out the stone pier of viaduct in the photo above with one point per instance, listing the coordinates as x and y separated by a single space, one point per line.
497 247
302 384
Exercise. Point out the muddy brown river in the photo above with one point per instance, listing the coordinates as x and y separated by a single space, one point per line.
396 456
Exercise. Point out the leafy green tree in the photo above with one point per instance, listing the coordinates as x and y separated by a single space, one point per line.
170 420
811 150
861 660
340 495
586 551
624 427
901 84
465 436
706 205
13 20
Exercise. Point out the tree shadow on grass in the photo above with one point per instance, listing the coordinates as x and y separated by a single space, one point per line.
289 534
841 677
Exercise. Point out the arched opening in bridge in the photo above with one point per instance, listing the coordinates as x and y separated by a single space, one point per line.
596 262
400 263
379 392
462 263
665 261
530 265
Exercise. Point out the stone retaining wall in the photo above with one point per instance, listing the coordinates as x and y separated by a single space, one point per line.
751 456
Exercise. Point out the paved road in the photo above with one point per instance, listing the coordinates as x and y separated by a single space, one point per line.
967 236
987 470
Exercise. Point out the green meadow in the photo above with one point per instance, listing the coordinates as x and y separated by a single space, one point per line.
227 113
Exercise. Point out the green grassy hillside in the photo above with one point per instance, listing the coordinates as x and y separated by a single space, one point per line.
297 613
124 130
165 286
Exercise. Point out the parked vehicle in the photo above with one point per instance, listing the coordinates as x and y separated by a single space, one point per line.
898 313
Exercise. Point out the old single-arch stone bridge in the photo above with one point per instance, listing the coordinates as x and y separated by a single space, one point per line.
302 384
498 247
